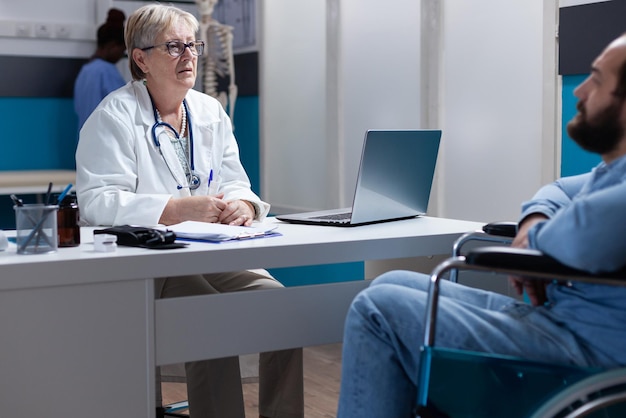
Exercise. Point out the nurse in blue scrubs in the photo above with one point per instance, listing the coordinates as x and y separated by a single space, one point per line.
100 76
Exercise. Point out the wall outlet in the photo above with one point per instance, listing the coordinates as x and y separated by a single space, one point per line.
23 30
62 31
43 30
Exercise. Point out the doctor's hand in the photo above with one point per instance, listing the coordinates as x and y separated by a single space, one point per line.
237 212
535 288
193 208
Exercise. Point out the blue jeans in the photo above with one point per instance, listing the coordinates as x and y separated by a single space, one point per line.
384 330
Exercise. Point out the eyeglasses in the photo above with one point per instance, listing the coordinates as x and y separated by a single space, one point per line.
177 48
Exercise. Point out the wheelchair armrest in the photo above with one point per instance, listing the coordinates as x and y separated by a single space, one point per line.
534 263
501 232
519 259
498 232
501 228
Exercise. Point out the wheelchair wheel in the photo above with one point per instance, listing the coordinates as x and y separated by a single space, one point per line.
600 395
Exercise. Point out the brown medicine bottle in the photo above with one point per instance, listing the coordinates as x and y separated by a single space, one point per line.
67 222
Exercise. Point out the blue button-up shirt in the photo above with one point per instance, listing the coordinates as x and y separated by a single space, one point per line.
587 230
95 80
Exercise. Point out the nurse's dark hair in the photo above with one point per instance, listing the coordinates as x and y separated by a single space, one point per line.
113 29
146 23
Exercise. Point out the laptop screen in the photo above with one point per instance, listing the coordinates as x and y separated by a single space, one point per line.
394 180
396 174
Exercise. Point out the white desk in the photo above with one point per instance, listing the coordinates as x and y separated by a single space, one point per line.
81 329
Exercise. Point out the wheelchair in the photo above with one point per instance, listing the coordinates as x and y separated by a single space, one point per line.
463 384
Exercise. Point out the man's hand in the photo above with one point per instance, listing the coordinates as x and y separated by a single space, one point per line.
237 212
193 208
535 289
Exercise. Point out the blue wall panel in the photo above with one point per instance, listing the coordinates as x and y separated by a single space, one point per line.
574 160
246 125
39 133
327 273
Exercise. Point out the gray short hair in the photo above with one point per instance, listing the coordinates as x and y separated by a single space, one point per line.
146 23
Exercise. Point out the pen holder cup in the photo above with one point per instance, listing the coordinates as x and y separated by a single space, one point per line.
36 228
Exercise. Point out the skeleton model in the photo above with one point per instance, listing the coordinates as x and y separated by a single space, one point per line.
218 61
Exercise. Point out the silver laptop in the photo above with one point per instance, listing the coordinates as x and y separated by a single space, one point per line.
394 181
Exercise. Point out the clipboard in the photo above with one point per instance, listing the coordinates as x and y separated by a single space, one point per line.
212 232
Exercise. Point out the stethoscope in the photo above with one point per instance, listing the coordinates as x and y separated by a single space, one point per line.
193 180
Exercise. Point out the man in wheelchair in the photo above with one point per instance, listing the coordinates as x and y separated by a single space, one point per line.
579 221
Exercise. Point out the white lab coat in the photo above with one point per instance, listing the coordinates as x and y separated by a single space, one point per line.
122 178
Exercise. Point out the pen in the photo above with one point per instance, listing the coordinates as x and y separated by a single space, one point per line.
48 193
47 203
16 200
64 193
210 178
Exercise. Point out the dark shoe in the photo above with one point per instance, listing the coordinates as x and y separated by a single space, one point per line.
162 413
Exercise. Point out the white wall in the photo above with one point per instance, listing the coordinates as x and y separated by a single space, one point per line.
379 75
292 90
329 71
70 25
492 112
20 19
496 87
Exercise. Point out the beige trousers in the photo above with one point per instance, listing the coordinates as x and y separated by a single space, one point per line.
214 386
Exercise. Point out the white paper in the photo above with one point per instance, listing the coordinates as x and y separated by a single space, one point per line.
218 232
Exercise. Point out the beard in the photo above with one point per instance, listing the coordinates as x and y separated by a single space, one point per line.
600 135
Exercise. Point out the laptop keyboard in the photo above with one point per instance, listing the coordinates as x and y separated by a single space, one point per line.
335 216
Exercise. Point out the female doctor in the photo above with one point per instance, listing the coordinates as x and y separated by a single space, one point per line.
157 152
